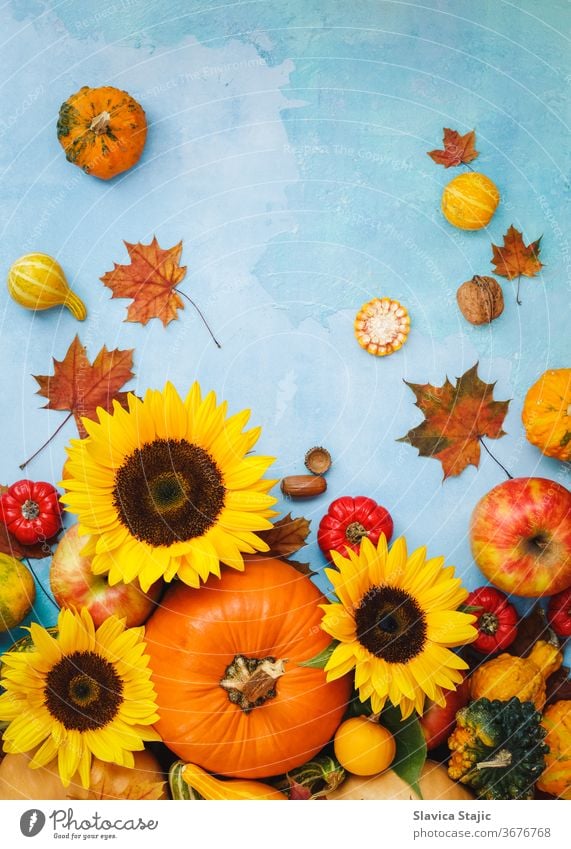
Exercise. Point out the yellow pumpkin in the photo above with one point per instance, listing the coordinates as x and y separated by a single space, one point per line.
556 777
107 780
102 130
546 413
470 200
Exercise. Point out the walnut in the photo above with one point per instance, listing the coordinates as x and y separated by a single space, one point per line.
480 299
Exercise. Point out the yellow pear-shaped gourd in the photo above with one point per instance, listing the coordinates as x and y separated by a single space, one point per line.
37 282
506 676
212 788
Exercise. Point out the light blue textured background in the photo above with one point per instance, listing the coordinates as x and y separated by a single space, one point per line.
287 148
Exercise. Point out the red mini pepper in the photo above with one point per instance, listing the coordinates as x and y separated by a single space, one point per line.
497 619
31 511
348 520
559 613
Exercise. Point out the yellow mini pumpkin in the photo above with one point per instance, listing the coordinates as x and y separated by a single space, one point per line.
523 677
470 200
556 778
102 130
546 413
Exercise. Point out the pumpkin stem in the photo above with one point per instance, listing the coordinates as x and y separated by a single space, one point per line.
250 681
488 623
355 532
500 760
100 123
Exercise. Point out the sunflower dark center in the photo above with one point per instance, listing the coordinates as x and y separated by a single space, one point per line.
168 491
83 691
390 624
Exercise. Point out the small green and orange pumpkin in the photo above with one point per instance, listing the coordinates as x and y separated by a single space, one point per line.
102 130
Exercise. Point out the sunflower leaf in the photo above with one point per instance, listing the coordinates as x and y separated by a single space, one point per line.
411 746
320 660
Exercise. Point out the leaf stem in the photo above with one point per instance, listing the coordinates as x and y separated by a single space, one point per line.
494 458
47 442
517 300
184 295
469 167
41 586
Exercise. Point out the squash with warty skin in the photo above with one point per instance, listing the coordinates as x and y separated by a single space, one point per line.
102 130
232 694
546 413
497 748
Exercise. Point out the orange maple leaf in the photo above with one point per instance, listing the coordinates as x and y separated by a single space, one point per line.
81 387
456 419
458 150
150 280
515 258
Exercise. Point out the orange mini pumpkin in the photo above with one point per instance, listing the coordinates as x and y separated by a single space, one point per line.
226 658
546 413
102 130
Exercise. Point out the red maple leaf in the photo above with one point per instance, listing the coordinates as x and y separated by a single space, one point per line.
150 280
81 387
514 258
456 417
458 150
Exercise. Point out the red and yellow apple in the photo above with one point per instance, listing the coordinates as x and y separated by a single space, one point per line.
520 534
438 723
74 585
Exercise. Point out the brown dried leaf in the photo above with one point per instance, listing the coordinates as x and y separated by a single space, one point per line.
455 419
457 149
515 258
531 628
559 686
302 568
150 281
286 536
80 387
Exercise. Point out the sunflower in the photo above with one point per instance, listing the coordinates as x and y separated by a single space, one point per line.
81 694
395 621
164 488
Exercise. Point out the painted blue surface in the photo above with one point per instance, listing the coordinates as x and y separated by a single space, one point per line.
287 148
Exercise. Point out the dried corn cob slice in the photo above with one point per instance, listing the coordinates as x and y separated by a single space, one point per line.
382 326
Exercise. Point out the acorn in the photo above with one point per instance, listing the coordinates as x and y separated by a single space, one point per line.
303 486
318 460
480 299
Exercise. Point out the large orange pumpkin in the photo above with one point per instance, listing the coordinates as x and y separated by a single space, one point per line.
226 658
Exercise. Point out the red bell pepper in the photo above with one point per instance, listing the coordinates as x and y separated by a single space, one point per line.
31 511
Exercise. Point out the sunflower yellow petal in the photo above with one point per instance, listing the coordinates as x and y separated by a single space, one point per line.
451 628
